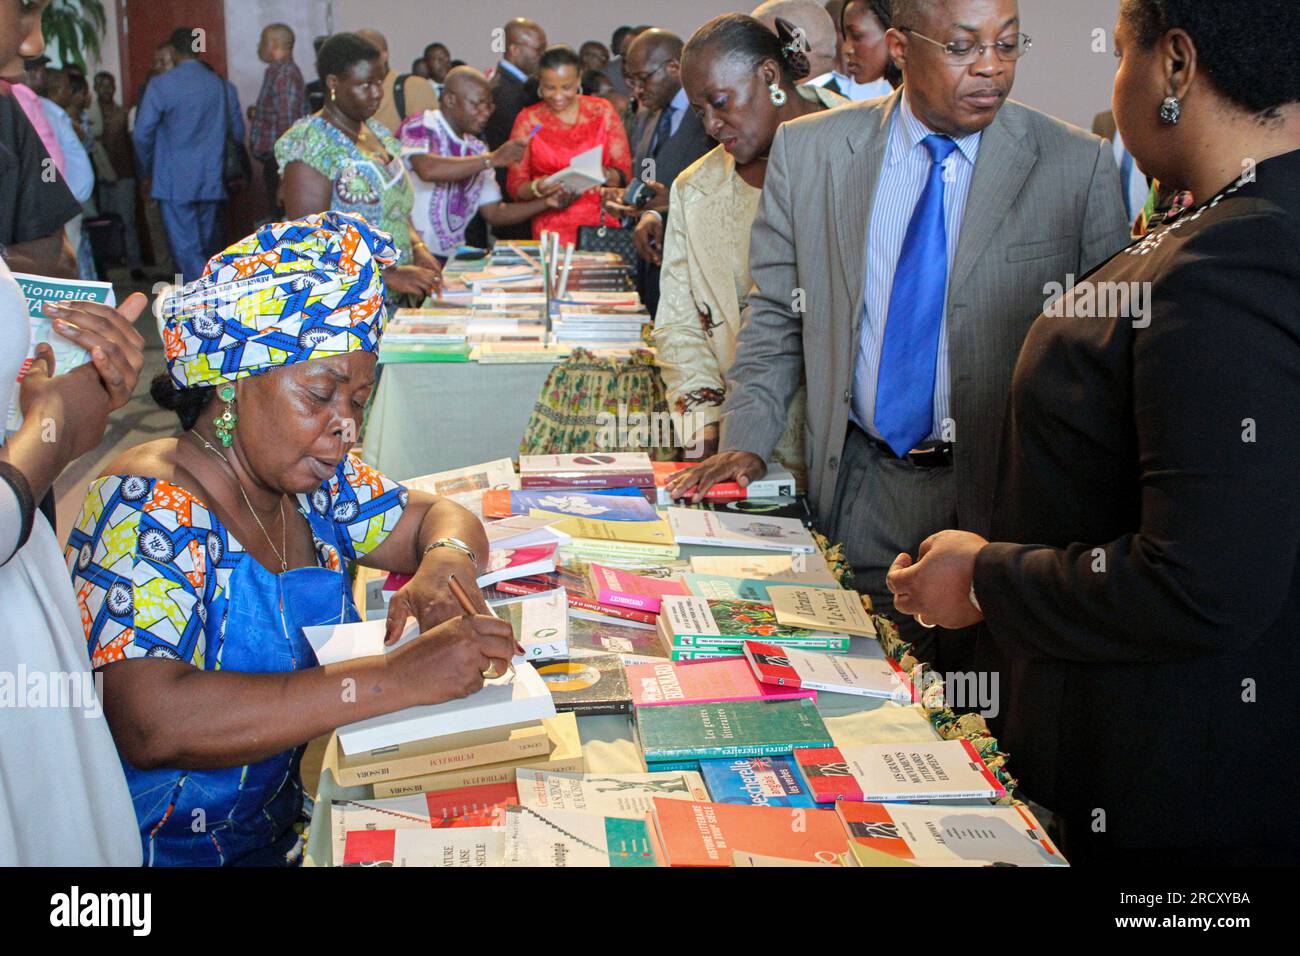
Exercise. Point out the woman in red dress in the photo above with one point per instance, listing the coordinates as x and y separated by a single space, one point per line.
567 123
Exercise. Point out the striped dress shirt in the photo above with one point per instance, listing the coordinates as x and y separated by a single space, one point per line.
902 180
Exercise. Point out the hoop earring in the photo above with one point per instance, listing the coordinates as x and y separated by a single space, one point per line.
224 424
776 94
1171 110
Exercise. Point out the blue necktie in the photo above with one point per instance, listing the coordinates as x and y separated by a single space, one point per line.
905 385
663 129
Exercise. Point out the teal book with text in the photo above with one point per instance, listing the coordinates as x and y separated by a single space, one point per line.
749 728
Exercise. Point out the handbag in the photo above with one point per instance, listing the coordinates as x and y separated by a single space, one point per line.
236 166
605 238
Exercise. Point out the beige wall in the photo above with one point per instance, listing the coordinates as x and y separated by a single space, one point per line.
1061 75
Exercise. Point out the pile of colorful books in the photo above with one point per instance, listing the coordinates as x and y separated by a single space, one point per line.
719 635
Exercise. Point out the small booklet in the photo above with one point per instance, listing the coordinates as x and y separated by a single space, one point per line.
821 609
584 171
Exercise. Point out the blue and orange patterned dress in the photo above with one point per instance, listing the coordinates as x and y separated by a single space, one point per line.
157 574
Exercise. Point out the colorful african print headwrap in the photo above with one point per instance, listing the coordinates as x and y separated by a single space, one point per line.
290 292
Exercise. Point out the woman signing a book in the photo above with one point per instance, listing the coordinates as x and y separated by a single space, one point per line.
198 560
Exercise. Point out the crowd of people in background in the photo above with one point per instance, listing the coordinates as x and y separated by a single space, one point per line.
845 230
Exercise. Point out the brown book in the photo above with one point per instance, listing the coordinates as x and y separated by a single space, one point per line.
566 757
469 749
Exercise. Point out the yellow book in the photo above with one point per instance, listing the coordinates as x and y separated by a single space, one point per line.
821 609
652 538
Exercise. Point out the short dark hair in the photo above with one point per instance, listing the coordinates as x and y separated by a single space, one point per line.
181 40
340 52
1249 55
435 45
618 36
554 57
593 81
740 37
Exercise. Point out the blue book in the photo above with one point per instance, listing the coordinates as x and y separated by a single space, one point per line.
756 782
584 504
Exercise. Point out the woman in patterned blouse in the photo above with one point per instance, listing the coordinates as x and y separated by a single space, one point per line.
342 159
198 560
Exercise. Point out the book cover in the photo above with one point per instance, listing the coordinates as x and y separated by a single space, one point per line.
467 807
612 637
513 698
628 795
943 770
721 587
541 625
749 728
571 504
781 506
588 685
799 568
606 469
40 291
821 609
476 846
565 756
777 481
506 563
615 535
565 838
946 836
698 622
654 685
826 774
752 532
577 600
628 589
873 675
755 782
493 745
707 834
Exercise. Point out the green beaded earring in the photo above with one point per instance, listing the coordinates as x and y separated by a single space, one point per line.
224 423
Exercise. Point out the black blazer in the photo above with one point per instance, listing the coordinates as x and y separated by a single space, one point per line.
510 96
1146 629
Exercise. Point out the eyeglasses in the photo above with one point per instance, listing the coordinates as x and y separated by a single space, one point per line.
641 79
964 52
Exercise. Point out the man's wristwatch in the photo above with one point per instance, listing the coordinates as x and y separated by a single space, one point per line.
456 545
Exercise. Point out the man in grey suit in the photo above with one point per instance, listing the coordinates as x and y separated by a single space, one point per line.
902 249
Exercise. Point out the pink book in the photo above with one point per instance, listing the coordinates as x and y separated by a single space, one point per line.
702 682
618 588
503 565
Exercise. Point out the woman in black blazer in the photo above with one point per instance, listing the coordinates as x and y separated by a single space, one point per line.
1146 628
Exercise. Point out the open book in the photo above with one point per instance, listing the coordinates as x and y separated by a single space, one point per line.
584 171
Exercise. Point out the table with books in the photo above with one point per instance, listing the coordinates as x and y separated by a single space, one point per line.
696 689
460 376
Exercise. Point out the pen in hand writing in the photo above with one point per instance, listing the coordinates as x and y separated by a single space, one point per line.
467 605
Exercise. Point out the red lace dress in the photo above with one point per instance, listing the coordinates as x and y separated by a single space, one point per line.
555 144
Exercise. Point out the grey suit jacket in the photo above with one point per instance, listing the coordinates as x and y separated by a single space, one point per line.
1044 202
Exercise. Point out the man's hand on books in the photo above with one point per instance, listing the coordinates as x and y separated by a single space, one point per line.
936 588
448 662
741 467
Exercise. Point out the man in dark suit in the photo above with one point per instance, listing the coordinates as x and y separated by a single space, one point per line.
669 139
514 88
901 250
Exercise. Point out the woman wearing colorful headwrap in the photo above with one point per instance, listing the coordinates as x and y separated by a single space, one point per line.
198 560
342 159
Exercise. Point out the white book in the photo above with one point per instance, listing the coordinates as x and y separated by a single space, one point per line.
450 847
492 474
942 770
566 838
511 699
584 171
935 835
410 812
867 674
627 795
594 463
797 568
521 531
541 624
755 532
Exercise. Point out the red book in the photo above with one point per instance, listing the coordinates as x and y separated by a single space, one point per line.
612 586
702 682
503 564
523 586
706 834
775 483
827 775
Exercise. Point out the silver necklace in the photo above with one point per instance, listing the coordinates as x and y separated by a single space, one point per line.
284 526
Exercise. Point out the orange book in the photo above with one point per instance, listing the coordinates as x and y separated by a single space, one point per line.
706 834
496 503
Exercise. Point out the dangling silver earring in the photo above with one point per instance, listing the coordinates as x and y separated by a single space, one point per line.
1171 110
776 93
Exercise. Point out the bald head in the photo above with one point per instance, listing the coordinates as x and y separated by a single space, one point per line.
462 80
525 41
812 20
655 45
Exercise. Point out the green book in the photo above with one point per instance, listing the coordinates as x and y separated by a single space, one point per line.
748 728
399 354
